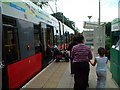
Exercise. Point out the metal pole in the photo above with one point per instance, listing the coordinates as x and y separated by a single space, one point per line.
55 6
99 12
89 19
50 7
119 10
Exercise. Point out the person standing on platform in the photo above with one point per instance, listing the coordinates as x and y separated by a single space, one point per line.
81 55
101 68
73 42
55 50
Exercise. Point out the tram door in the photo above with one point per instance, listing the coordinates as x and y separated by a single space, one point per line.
67 39
44 48
0 50
50 40
47 41
10 47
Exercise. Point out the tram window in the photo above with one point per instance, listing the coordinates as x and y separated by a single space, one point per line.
9 21
50 36
10 44
37 41
56 31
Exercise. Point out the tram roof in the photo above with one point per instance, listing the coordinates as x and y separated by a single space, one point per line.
29 8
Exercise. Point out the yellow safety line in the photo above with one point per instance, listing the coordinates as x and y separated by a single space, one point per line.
50 61
10 45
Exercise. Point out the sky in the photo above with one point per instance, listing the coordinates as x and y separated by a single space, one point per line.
79 10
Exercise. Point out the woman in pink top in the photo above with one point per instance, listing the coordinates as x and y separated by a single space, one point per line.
81 55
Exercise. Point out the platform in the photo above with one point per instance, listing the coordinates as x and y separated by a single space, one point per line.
57 75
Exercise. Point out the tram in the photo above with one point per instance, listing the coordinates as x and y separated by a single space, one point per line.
27 34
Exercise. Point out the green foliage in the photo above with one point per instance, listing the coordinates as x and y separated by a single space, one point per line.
76 32
107 42
41 4
107 47
66 21
108 28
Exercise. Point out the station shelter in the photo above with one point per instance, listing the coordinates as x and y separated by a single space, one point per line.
115 51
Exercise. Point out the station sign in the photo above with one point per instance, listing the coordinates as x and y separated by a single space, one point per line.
119 20
116 24
119 40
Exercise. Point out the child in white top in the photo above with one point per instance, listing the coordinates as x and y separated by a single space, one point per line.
101 68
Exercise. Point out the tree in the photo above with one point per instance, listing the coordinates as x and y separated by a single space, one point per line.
107 43
63 19
43 3
108 28
66 21
107 47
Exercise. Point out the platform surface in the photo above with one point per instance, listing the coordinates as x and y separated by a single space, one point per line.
57 75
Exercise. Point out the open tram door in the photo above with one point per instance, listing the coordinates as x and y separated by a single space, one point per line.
50 41
47 43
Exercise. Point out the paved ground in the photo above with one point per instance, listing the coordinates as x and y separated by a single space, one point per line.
57 75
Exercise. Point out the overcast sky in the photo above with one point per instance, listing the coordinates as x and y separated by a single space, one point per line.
78 10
